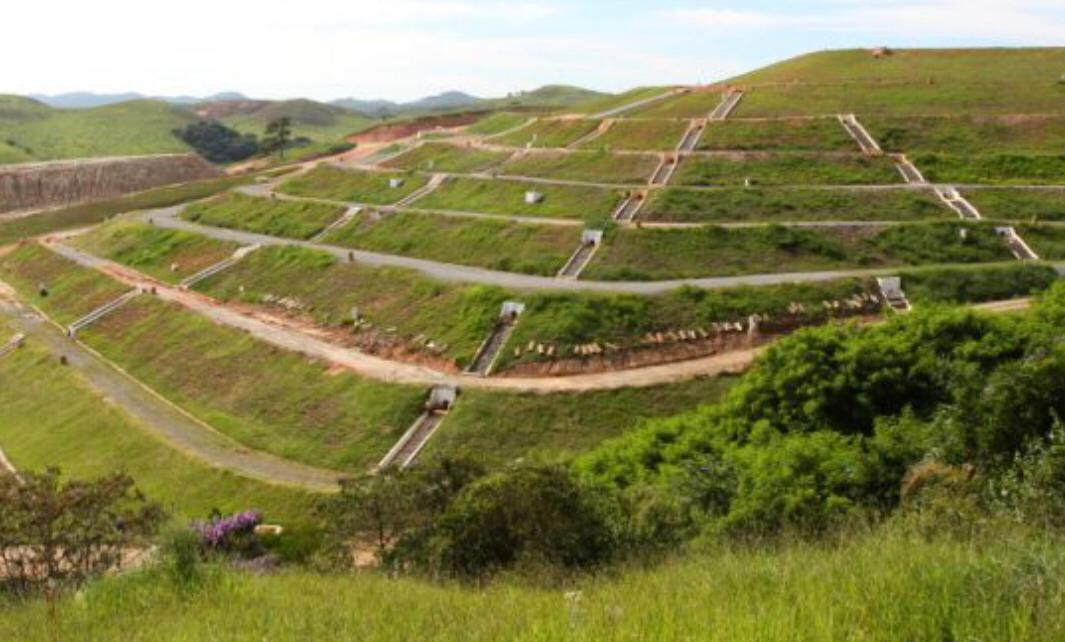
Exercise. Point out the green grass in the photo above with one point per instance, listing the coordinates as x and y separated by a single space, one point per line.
88 436
814 134
549 133
791 204
502 427
456 318
442 157
290 219
508 198
653 254
1002 169
264 397
92 213
33 131
496 123
881 587
154 250
1019 204
1031 134
637 134
316 121
606 103
787 169
330 182
696 104
592 167
977 284
910 82
495 244
565 320
71 291
1047 241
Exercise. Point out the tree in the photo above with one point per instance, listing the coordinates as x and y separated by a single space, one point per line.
218 143
56 534
278 135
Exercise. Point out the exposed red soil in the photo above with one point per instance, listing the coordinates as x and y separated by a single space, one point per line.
389 132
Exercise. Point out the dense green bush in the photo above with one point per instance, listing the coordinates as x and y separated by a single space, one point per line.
218 143
990 283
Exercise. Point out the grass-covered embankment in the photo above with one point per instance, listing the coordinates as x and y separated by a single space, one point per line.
787 169
500 245
333 183
262 396
506 197
977 284
993 169
794 135
49 416
290 219
694 104
1027 134
65 291
590 167
742 205
1019 204
442 157
640 134
655 254
166 254
549 133
497 123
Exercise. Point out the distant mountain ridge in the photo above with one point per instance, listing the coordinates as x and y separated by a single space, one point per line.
88 99
380 107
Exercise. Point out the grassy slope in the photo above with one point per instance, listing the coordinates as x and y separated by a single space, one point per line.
42 133
1001 169
442 157
264 397
314 120
1047 241
264 216
788 169
326 181
1035 134
508 197
791 204
585 166
155 250
1017 204
911 82
549 133
71 291
496 123
875 587
501 427
458 317
697 104
617 100
81 215
714 251
977 284
628 134
496 244
818 134
87 436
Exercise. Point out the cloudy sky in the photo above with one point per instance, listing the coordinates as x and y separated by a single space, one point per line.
403 49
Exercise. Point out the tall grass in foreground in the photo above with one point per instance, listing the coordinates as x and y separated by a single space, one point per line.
880 587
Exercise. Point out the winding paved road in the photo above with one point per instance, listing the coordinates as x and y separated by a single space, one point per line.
160 417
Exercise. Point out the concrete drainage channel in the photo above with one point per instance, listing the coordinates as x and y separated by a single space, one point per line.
691 137
344 219
626 212
727 105
955 201
410 445
603 128
218 267
490 348
12 345
860 135
590 241
665 169
1020 249
101 312
436 181
639 103
909 171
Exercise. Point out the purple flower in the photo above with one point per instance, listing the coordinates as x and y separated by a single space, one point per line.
218 533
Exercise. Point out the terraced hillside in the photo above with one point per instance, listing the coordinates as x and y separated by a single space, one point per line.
561 269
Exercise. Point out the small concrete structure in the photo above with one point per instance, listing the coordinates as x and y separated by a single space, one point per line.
511 310
891 289
532 197
591 237
395 183
441 398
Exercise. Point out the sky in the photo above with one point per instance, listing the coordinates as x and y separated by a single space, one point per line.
405 49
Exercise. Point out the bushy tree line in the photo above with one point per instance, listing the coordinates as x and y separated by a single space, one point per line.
217 142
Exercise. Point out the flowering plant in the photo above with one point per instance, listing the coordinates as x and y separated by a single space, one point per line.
229 532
